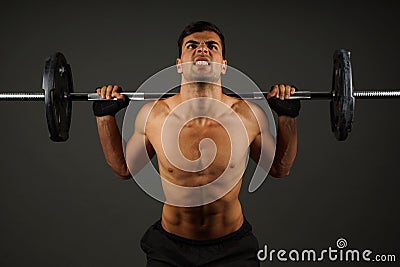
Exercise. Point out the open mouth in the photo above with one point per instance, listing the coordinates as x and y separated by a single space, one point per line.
201 63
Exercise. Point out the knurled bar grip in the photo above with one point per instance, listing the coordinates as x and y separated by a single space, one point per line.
22 96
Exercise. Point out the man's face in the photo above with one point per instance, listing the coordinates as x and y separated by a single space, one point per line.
201 59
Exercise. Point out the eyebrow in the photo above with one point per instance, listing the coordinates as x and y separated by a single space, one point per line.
207 42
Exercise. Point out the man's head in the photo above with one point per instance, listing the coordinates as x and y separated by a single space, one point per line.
201 53
200 26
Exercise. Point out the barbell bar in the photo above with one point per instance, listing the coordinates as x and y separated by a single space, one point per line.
58 96
142 96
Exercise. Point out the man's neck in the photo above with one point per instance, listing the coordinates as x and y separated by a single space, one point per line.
195 95
200 89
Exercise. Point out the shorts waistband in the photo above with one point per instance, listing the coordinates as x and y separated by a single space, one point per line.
242 231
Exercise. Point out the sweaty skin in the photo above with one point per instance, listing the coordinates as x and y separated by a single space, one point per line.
224 215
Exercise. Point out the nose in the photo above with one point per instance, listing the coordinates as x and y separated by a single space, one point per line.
202 48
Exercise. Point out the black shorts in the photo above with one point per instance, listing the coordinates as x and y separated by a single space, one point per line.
237 249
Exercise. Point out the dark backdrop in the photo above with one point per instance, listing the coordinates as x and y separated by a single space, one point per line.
60 204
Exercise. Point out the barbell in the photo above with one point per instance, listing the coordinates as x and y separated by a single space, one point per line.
58 96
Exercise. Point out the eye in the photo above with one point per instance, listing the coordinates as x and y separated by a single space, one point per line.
212 47
191 46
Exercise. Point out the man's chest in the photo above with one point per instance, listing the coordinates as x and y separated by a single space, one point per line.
199 143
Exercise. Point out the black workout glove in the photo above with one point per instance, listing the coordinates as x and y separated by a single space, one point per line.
109 107
287 107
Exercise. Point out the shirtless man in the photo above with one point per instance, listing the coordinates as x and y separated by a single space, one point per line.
216 233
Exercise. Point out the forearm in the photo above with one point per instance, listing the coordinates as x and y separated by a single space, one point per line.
111 142
286 147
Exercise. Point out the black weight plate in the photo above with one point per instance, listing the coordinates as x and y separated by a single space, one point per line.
342 103
57 84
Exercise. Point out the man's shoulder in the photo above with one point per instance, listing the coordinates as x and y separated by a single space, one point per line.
151 110
244 108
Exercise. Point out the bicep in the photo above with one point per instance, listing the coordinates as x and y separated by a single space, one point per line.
138 149
262 150
262 147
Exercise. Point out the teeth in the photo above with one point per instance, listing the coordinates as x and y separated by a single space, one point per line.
201 62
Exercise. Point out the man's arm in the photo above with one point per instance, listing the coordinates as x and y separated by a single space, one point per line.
111 142
139 150
110 137
286 147
286 144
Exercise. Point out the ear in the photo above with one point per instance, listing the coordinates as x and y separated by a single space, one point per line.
224 66
179 65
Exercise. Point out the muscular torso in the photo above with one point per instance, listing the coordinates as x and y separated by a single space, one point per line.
213 211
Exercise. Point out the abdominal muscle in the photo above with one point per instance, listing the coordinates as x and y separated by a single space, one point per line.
213 219
205 222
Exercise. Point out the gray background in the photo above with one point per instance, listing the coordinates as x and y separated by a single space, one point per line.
60 204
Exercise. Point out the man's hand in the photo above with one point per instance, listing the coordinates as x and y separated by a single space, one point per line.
281 91
278 100
104 108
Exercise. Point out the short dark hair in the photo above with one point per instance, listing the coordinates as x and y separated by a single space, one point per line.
201 26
